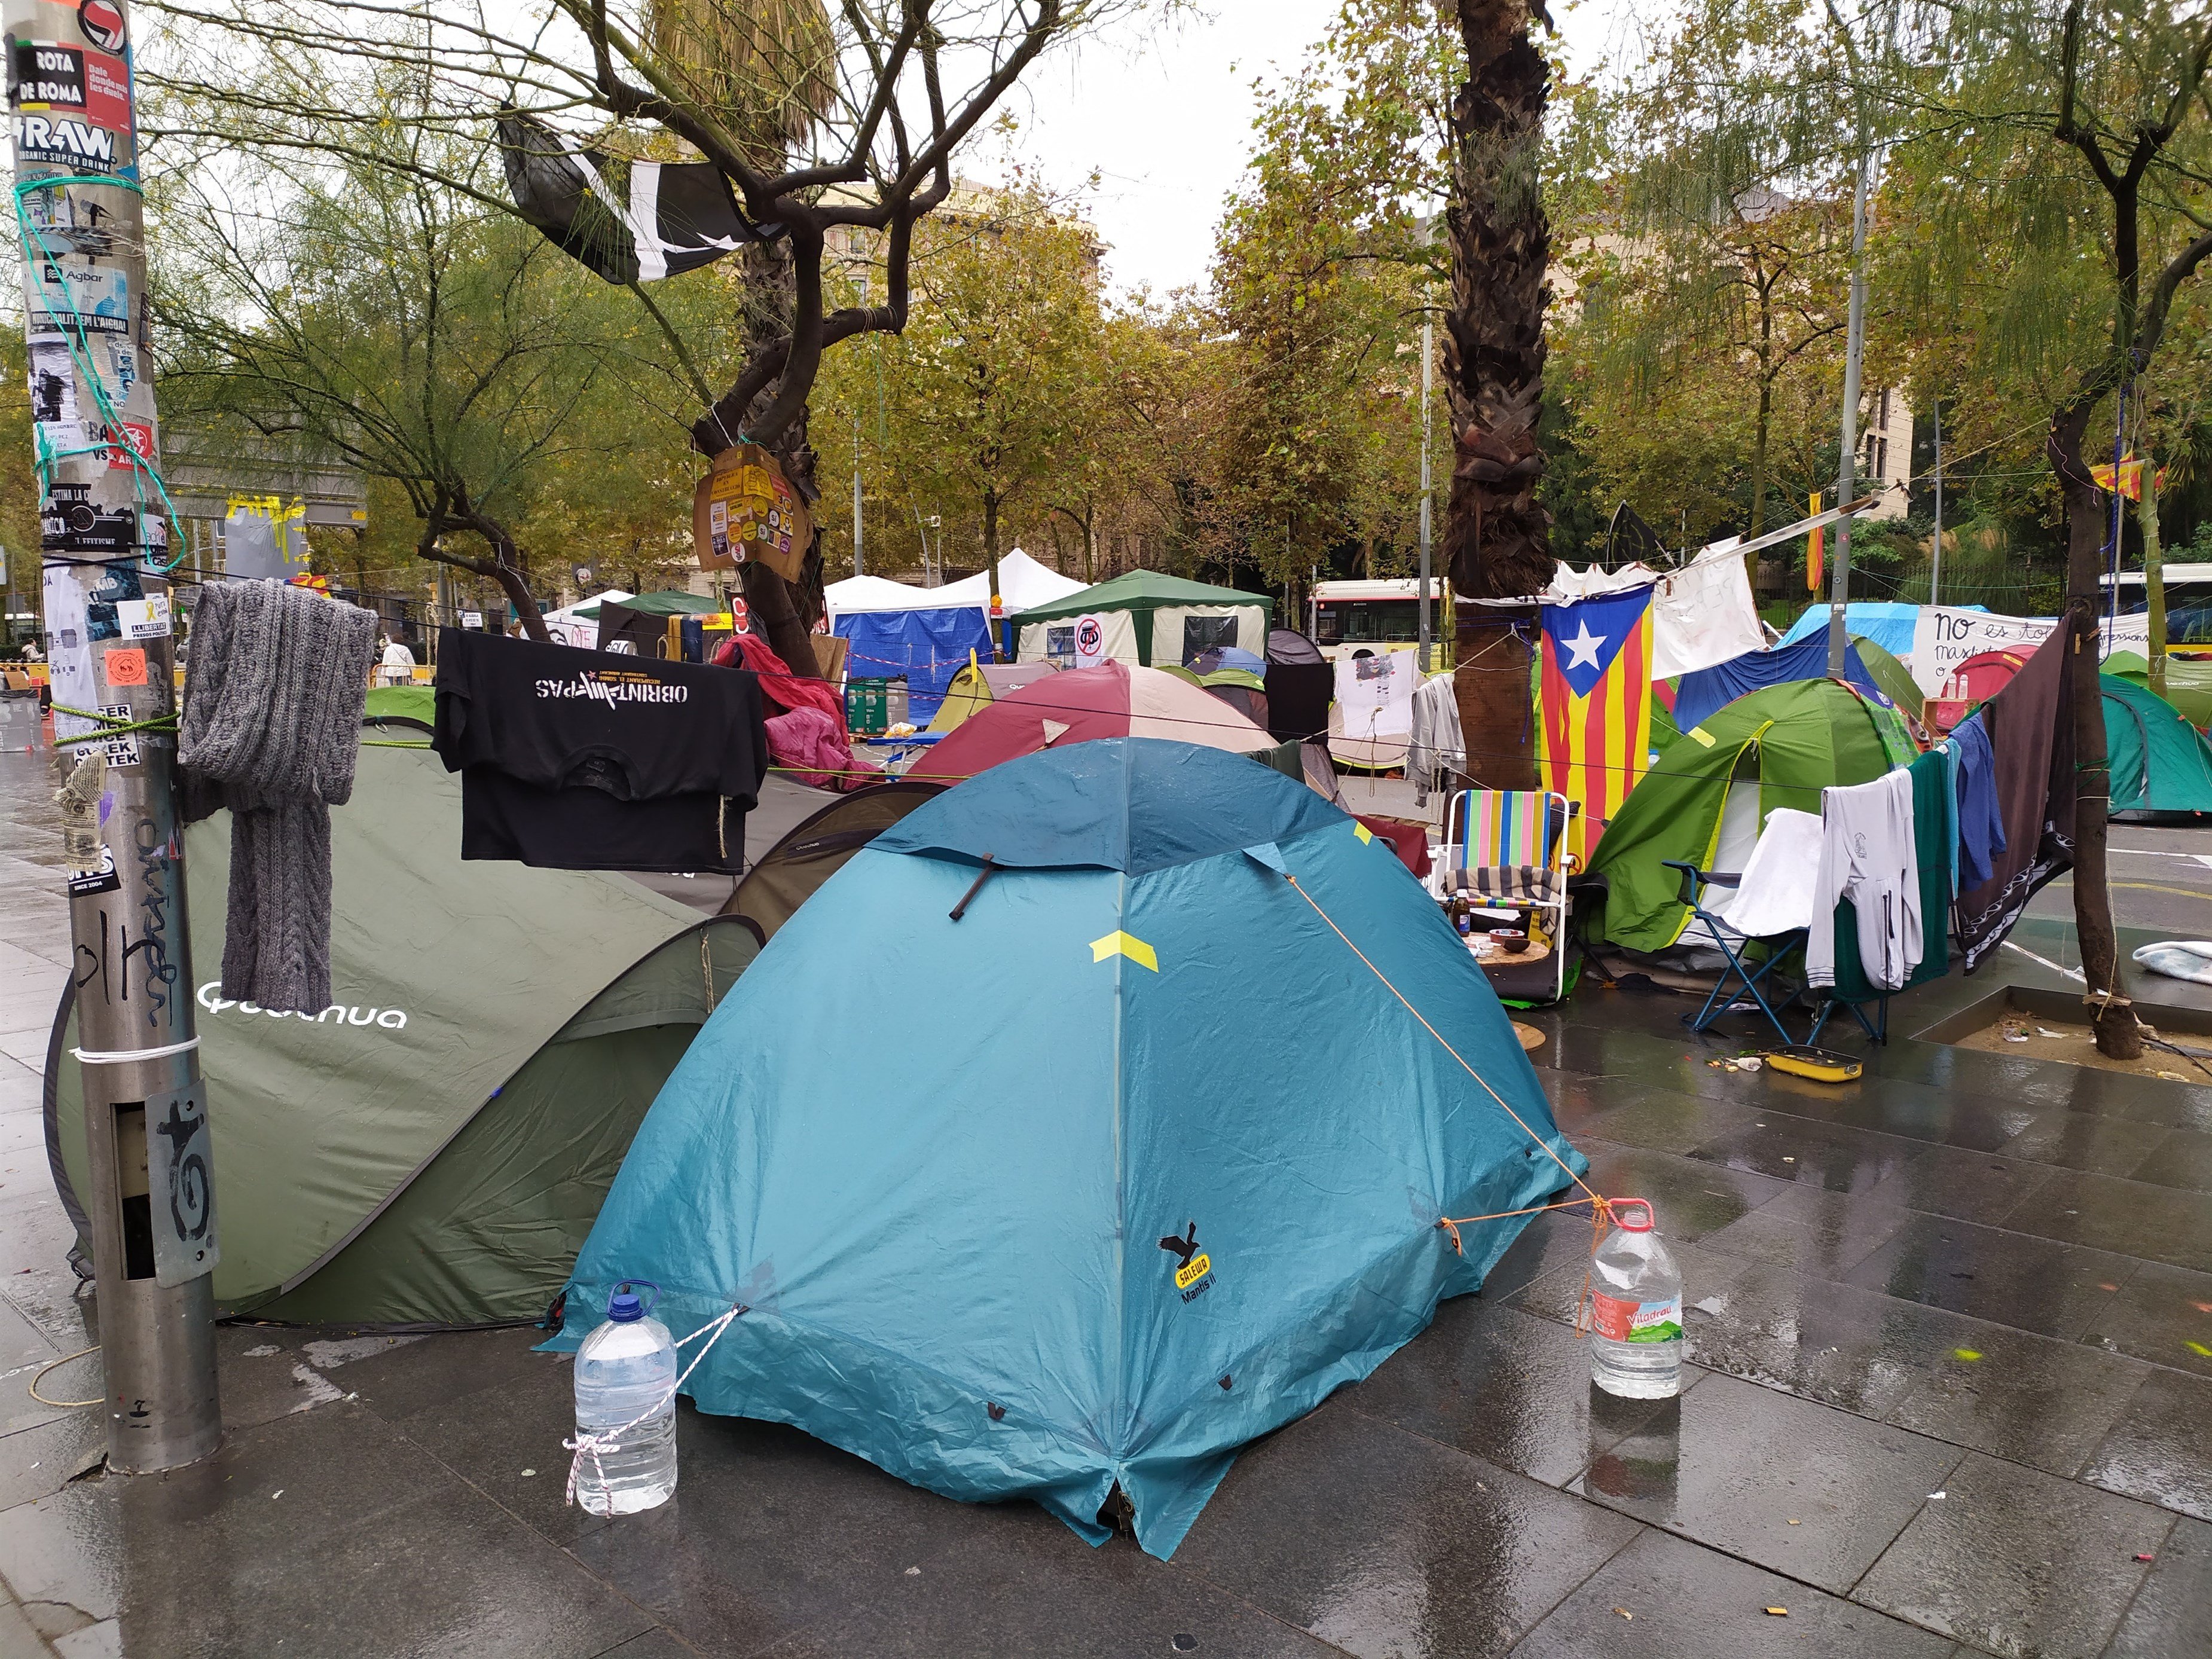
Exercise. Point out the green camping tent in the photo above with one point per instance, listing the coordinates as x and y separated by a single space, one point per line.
1151 618
789 873
2188 682
1894 679
1707 797
433 1148
2161 762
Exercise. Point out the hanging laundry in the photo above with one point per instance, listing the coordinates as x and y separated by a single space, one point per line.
807 729
1703 615
1776 894
1437 752
1868 856
1375 694
269 727
587 760
1981 823
1595 694
1935 832
2030 725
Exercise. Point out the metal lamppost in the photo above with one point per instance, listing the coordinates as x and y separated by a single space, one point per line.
105 548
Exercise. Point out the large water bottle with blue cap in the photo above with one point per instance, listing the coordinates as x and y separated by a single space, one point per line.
626 1407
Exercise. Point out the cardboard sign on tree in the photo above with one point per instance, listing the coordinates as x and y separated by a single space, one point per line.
746 508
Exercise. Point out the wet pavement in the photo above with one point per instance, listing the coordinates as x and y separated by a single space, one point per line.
1950 1392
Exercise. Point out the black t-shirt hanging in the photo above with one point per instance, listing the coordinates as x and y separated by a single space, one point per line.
635 727
588 760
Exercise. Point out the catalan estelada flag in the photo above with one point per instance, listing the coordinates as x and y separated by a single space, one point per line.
1596 700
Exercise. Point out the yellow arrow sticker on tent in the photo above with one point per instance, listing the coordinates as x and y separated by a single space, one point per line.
1362 831
1125 944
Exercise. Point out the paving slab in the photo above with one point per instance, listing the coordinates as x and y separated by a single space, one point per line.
1752 1460
2161 1451
1658 1120
1505 1386
776 1543
1843 1347
1383 1543
2172 1613
2030 1399
1837 1156
1977 1564
324 1534
1666 1598
2134 1217
2013 1278
1690 1198
1963 1184
2162 1314
1813 1230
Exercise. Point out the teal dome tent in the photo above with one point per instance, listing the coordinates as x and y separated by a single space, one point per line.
1101 1158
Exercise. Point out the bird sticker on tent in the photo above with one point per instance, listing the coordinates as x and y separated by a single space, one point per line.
1194 1267
1118 944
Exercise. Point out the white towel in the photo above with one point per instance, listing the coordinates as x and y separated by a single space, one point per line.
1775 895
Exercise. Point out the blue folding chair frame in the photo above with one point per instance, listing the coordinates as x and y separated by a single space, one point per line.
1722 1000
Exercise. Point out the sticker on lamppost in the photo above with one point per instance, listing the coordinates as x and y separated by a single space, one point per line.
180 1187
1090 641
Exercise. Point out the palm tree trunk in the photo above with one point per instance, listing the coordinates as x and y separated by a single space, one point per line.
1497 538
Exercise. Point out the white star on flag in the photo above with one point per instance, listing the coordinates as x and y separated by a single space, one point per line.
1581 650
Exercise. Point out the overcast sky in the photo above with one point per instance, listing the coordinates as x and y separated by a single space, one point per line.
1166 120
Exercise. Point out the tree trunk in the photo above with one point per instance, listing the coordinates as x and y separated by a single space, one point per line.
991 554
1497 538
2154 573
1761 434
783 613
2119 1036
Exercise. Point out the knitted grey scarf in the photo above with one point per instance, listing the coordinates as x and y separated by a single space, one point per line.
274 685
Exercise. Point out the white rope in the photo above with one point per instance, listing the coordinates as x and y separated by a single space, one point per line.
125 1056
607 1440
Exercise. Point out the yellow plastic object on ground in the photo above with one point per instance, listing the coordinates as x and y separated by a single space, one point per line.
1821 1065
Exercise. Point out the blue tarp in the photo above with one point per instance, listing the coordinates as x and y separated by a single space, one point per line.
1886 622
1158 1169
929 647
1698 695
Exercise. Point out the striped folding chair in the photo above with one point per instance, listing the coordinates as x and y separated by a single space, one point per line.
1507 848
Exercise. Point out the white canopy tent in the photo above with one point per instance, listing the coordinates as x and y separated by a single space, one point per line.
578 625
926 635
1023 582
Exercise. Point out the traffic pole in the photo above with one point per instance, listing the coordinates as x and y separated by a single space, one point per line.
105 548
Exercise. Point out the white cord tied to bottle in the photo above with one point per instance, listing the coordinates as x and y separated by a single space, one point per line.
608 1440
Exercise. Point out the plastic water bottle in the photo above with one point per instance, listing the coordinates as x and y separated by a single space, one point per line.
626 1401
1636 1313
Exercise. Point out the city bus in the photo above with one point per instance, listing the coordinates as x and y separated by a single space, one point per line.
1350 617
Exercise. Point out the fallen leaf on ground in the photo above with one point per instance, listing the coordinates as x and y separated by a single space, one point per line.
1624 1613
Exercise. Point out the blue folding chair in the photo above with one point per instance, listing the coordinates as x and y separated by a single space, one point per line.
1750 981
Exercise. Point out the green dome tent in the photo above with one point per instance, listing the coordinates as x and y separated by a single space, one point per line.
1152 619
2160 764
2188 682
1707 797
1894 679
432 1150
